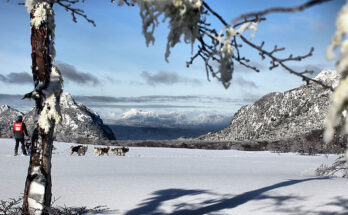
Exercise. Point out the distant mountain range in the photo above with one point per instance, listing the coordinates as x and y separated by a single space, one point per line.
289 118
79 122
139 118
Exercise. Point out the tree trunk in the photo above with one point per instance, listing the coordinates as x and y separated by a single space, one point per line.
47 82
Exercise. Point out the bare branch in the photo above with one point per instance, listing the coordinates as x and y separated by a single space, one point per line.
280 9
280 62
67 5
214 13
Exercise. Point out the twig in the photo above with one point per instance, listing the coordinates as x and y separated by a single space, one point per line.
67 5
280 9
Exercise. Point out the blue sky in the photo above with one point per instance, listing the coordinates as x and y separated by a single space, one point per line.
113 60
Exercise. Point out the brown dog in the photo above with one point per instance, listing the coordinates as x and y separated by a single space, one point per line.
79 149
120 151
101 150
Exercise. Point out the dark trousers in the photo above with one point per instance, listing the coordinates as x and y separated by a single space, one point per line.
22 146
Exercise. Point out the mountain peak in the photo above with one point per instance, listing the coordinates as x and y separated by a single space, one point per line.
329 77
133 112
4 108
66 100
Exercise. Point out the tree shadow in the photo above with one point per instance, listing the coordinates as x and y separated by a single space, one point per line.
151 206
340 202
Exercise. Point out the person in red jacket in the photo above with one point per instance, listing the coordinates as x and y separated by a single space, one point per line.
19 130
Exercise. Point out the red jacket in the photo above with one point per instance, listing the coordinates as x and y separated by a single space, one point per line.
19 129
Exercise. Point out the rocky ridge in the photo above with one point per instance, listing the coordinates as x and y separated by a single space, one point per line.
79 123
290 115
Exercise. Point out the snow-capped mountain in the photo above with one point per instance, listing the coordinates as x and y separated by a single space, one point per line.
297 113
79 123
139 118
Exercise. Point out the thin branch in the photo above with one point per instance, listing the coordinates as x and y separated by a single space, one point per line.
280 9
214 13
67 5
281 62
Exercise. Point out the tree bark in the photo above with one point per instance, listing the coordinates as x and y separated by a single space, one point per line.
37 192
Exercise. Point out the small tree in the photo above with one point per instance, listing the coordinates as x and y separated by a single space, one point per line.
187 19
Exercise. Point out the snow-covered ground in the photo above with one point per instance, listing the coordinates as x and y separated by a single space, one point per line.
184 181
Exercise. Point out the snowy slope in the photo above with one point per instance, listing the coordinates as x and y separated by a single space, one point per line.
183 181
279 116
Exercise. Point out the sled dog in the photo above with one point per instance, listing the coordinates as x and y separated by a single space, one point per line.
120 151
101 150
79 149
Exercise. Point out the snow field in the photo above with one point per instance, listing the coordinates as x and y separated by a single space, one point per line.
183 181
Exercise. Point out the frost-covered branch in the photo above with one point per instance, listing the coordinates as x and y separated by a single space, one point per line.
66 4
339 99
11 206
338 168
275 61
221 49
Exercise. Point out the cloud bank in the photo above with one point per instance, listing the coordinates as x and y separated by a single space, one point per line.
167 78
17 78
163 98
70 73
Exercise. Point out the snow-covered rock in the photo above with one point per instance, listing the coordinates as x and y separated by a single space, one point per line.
78 122
3 108
277 116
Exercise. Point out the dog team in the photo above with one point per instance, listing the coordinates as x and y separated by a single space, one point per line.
81 150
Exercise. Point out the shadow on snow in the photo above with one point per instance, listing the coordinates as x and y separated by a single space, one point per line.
151 206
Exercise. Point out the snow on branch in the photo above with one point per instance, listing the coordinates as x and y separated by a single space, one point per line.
188 20
238 40
66 4
339 98
338 168
183 16
218 49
